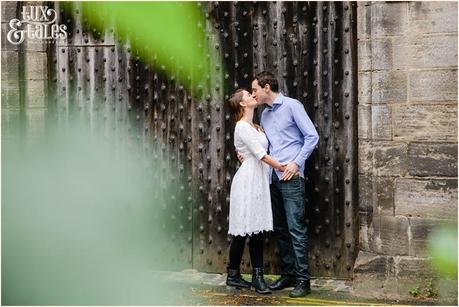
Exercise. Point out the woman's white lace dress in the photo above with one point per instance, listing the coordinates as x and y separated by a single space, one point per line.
250 201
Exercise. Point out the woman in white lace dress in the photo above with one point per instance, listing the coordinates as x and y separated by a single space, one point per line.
250 202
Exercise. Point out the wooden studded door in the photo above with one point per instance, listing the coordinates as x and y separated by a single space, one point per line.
312 49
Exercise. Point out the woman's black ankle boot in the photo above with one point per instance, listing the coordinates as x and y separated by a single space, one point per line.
235 279
258 281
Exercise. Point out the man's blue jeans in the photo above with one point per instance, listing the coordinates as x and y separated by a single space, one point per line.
288 204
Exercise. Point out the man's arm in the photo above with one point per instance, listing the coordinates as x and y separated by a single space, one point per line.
305 125
310 135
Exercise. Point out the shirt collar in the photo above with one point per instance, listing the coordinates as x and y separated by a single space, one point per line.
278 101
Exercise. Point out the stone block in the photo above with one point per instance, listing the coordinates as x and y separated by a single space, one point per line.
389 18
35 93
365 55
429 123
413 267
371 273
389 86
420 229
364 87
364 19
10 94
432 159
364 113
10 65
436 85
376 196
390 159
434 198
10 123
6 45
36 66
391 277
447 290
37 45
35 2
365 157
433 16
411 272
366 193
35 122
390 236
425 51
9 10
365 232
381 122
384 200
370 263
381 54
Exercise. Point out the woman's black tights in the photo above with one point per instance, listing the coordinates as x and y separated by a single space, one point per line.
255 250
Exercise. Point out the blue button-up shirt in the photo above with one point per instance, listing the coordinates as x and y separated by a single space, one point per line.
291 133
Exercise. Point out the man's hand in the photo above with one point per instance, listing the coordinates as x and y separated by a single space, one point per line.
290 171
240 157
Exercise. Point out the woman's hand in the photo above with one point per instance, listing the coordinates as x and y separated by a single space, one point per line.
240 157
282 167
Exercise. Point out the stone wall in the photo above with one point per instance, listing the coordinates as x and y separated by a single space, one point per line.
407 53
24 77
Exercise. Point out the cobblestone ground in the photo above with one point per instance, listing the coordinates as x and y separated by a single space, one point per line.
210 289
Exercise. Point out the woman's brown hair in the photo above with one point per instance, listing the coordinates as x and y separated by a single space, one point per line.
235 107
234 104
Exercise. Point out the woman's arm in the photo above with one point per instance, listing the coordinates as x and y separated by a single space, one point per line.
249 138
273 162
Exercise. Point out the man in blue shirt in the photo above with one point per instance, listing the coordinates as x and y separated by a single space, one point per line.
292 138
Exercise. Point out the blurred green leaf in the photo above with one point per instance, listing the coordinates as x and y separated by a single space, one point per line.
168 35
442 248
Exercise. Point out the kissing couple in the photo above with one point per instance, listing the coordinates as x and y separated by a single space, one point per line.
268 190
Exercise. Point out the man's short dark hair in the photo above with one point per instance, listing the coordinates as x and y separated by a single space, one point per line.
266 77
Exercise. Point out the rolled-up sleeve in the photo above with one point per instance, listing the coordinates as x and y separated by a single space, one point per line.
307 129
